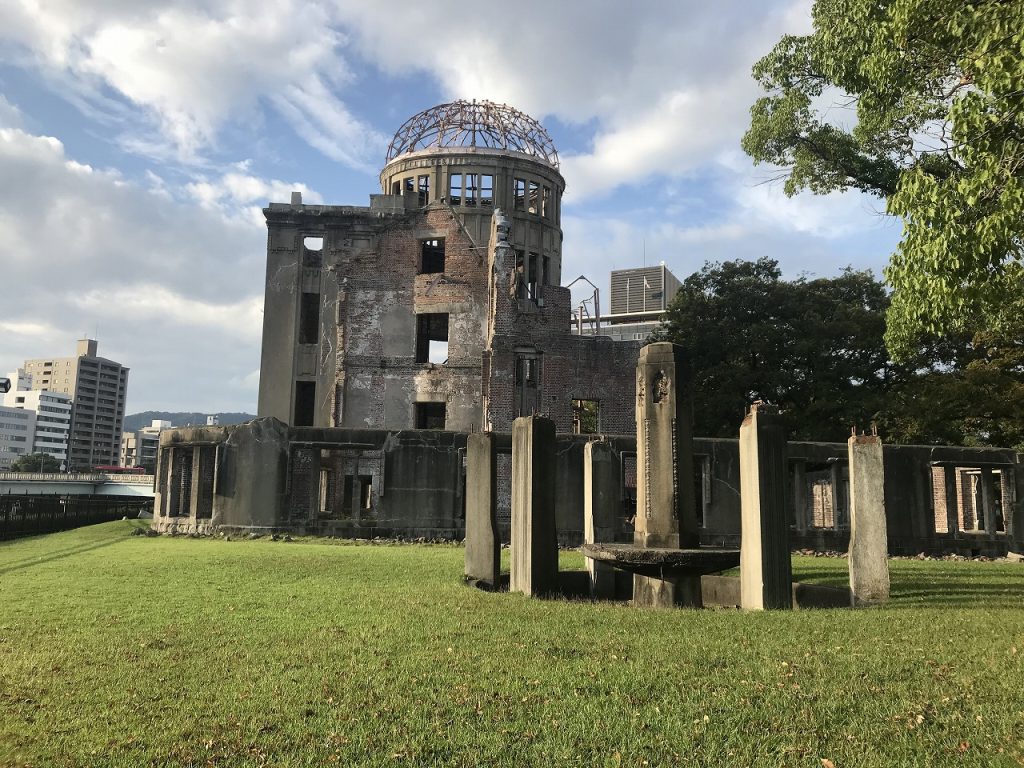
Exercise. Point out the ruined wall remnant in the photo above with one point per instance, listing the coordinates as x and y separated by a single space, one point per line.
410 313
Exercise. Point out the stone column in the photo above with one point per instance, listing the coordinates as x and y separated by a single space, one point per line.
988 502
666 502
869 547
483 543
534 541
766 576
1013 509
952 501
602 507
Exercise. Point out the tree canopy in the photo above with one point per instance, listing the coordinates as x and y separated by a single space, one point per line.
815 347
36 462
937 93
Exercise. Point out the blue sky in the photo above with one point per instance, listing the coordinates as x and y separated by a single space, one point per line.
139 142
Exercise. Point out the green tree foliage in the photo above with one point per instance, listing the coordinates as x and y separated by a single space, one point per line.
816 349
938 92
813 347
36 462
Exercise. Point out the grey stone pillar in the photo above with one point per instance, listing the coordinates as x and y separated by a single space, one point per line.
1013 509
952 502
869 546
602 508
766 575
483 543
666 501
988 502
666 504
534 541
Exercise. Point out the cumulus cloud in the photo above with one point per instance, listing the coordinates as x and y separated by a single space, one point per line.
173 290
191 70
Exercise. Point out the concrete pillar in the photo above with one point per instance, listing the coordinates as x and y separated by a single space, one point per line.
483 543
666 504
602 508
952 500
766 575
800 495
1013 509
534 541
988 502
869 546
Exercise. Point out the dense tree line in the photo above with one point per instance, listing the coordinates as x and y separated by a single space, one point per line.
816 348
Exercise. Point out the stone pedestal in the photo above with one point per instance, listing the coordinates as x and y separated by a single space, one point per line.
534 542
766 575
483 544
602 507
869 547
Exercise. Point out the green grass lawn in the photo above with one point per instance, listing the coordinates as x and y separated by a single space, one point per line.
134 651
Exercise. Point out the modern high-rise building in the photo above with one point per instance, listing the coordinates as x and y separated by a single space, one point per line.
639 298
98 388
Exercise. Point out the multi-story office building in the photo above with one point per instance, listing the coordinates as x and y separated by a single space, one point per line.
52 415
138 449
98 387
17 427
639 299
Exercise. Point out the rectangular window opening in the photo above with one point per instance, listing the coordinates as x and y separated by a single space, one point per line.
532 279
545 202
305 403
586 417
533 203
423 188
486 190
430 415
309 318
313 243
471 189
365 491
431 256
519 194
455 189
409 184
432 338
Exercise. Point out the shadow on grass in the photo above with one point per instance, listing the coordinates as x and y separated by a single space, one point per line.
60 554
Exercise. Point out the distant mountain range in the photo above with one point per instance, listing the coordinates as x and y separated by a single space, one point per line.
135 421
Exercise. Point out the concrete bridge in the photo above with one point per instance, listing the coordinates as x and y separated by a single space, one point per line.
75 484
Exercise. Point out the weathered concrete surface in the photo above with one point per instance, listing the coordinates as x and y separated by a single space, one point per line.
601 510
666 507
766 575
724 592
869 546
483 544
534 544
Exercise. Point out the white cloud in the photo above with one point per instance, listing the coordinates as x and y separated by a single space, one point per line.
173 290
193 70
10 115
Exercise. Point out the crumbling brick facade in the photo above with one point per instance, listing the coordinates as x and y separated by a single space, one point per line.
419 311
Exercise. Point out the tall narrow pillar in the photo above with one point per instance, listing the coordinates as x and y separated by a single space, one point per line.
483 543
952 501
766 576
534 541
602 508
869 546
1013 508
988 502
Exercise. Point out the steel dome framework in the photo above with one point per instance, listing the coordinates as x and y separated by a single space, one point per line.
474 124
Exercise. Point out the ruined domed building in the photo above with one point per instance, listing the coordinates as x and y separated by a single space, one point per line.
439 305
394 330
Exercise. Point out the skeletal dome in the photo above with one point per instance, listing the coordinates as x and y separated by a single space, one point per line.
463 124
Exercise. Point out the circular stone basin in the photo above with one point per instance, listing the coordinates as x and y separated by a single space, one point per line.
658 562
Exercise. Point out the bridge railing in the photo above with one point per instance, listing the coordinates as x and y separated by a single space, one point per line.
76 477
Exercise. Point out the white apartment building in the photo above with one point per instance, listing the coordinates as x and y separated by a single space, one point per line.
17 427
52 415
138 449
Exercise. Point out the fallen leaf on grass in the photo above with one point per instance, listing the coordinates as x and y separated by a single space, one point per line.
826 763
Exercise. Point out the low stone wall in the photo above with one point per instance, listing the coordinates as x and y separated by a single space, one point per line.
267 477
